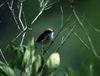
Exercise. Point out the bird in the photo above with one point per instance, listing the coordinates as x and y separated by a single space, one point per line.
46 37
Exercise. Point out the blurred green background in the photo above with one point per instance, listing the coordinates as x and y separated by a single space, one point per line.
73 51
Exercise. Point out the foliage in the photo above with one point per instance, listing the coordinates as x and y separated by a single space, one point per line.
90 67
22 58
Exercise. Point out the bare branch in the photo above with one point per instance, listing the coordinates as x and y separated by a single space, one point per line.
3 56
24 18
22 38
62 40
90 24
94 28
39 12
3 3
20 12
66 74
61 16
14 39
68 27
63 26
49 5
82 41
41 3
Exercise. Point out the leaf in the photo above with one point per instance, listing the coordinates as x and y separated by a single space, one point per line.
12 47
16 55
13 54
37 65
29 53
26 58
70 72
85 71
32 48
20 57
23 49
96 67
5 70
51 65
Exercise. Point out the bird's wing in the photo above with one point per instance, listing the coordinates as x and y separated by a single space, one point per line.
41 38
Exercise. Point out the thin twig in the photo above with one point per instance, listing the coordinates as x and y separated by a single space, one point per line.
3 3
71 31
66 74
53 3
94 27
15 39
62 39
24 18
3 56
68 27
88 37
23 36
63 26
61 16
20 12
90 24
39 12
82 41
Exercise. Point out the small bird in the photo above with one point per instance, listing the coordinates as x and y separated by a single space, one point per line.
45 37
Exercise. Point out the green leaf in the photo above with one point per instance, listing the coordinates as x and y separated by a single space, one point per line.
85 71
5 70
70 72
29 53
20 57
96 67
12 47
23 49
51 65
16 55
13 54
37 65
32 48
26 58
